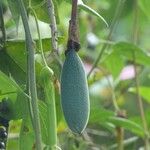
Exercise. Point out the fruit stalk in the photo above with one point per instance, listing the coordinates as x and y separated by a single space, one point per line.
73 33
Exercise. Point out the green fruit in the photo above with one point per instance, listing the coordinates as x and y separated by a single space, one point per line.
74 93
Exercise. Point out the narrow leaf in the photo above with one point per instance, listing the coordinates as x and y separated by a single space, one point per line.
127 124
91 11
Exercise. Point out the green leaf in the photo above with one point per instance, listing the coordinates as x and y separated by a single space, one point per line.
20 44
41 10
122 52
144 5
43 120
26 138
125 51
6 85
114 63
99 115
127 124
15 101
47 43
89 10
126 142
21 103
14 10
27 134
144 92
14 129
9 67
16 50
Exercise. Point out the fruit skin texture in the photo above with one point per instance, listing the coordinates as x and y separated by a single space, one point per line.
74 93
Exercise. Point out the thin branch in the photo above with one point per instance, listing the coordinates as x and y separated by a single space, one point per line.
32 80
53 25
54 31
112 27
39 36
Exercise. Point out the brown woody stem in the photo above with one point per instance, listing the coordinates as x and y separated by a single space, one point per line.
73 37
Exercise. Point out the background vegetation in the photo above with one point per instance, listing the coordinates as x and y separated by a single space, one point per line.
119 83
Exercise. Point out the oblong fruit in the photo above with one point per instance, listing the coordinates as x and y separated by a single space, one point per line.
74 93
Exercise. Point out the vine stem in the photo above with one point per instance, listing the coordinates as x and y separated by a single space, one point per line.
140 102
112 27
49 94
32 80
39 35
2 24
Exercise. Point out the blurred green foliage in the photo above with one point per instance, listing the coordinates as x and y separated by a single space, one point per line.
112 79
